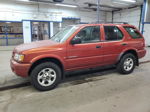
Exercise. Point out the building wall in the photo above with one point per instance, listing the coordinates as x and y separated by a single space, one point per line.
146 34
18 12
11 11
147 19
109 16
132 16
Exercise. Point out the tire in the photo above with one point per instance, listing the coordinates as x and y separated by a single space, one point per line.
126 64
45 76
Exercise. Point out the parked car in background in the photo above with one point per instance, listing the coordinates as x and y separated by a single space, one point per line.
78 47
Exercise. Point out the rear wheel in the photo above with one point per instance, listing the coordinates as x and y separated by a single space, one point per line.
126 64
45 76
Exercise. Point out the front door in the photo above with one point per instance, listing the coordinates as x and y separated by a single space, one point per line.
88 53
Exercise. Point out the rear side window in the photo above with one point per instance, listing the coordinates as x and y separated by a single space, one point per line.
112 33
133 32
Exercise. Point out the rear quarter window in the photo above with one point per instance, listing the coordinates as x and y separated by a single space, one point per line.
133 32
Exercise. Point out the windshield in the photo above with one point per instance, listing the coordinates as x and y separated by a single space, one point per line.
64 34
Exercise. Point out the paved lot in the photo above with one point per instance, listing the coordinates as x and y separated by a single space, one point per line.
106 92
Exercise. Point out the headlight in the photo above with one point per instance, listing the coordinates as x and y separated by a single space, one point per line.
18 57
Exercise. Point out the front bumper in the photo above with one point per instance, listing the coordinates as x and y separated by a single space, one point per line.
20 69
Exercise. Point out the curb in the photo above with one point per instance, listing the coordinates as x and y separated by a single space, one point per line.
15 86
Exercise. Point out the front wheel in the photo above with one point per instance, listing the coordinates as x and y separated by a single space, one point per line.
126 64
45 76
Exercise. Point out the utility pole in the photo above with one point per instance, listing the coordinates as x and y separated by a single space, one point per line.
98 11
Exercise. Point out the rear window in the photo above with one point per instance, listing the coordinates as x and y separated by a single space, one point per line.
133 32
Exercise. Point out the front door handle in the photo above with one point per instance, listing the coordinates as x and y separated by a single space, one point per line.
98 46
124 44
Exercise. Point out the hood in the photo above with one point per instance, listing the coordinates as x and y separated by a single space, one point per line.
32 45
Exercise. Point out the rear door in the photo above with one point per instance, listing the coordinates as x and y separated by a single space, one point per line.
113 44
88 53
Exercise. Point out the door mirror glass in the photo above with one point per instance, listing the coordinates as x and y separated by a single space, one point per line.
76 40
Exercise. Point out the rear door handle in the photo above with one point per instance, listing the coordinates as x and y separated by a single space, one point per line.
98 46
124 44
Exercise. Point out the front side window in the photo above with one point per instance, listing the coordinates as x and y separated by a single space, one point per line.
112 33
89 34
133 32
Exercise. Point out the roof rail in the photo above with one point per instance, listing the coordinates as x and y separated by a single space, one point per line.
108 23
118 22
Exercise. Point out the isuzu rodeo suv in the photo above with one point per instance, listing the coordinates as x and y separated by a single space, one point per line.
78 47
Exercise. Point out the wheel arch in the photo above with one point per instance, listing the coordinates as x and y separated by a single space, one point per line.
47 59
132 51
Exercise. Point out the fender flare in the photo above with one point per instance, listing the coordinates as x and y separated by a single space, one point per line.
40 57
128 50
46 56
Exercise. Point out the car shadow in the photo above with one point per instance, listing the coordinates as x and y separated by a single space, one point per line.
87 75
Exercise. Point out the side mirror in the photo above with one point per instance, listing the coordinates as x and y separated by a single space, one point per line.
76 40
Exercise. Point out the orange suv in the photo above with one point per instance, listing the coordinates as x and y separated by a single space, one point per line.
78 47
